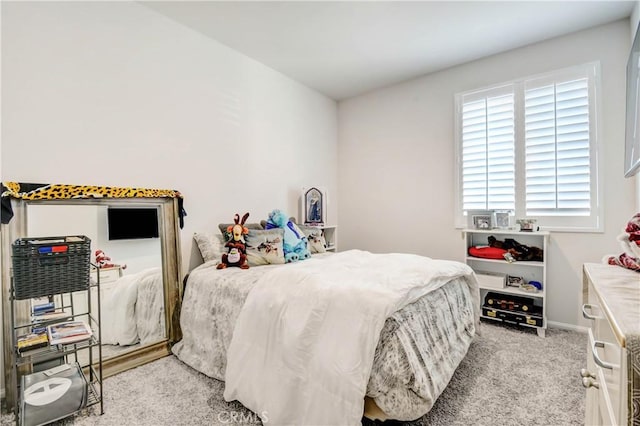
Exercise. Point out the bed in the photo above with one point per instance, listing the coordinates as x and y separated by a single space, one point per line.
410 358
133 309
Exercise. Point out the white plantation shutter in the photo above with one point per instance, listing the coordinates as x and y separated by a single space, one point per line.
557 158
530 146
488 180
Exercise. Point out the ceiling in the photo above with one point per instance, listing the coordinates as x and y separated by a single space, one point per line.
347 48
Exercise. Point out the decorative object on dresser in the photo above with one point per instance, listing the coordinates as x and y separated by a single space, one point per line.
512 269
611 296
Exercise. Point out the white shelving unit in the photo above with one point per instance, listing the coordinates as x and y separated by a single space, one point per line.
330 233
489 272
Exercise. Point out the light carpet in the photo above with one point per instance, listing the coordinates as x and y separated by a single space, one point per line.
509 377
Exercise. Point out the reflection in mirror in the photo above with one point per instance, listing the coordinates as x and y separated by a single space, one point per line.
129 255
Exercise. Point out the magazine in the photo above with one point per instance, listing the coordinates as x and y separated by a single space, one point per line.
31 341
68 332
56 315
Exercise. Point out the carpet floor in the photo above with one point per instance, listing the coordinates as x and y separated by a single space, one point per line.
509 377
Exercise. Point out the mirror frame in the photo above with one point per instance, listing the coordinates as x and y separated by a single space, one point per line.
171 275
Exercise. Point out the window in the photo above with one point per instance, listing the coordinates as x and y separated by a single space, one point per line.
530 146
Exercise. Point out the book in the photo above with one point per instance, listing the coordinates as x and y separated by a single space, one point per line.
31 341
68 332
56 315
44 308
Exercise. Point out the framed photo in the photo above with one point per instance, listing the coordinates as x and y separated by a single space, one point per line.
503 219
314 206
482 221
514 281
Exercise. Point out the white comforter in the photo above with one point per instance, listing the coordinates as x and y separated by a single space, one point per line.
303 346
133 309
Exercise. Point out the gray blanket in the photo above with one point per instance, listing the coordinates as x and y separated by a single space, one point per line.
420 346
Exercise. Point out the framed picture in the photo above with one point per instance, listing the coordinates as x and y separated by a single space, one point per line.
482 221
314 202
503 219
514 281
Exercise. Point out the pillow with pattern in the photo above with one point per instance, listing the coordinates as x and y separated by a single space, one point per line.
264 247
317 243
211 245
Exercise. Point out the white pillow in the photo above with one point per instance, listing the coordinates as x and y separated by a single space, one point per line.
211 245
317 243
264 247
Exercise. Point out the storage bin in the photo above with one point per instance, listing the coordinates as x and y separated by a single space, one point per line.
50 265
49 397
490 279
513 317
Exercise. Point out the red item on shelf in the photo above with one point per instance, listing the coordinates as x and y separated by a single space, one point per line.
487 252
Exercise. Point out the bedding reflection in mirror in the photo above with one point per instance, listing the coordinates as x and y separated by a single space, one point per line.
130 268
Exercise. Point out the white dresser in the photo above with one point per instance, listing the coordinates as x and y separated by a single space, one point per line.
612 375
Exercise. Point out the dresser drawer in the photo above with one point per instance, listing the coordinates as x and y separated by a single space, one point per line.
609 358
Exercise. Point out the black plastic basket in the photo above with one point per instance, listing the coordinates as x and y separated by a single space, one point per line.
50 265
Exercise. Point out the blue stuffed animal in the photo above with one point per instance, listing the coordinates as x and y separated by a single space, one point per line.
295 243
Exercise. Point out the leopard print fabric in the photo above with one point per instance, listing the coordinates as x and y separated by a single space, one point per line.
39 191
63 192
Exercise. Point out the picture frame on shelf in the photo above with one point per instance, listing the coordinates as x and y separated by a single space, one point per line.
481 219
514 281
503 219
314 206
528 225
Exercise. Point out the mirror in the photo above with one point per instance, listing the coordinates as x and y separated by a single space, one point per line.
131 299
139 285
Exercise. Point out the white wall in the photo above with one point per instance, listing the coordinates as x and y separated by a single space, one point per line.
114 93
396 160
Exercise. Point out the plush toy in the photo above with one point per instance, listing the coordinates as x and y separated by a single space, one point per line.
517 250
630 243
104 261
237 250
295 243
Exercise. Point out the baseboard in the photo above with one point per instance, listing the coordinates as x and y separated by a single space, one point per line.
565 326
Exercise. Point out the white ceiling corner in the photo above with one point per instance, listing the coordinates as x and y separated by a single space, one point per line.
343 49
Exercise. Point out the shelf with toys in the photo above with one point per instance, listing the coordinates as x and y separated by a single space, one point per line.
511 267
